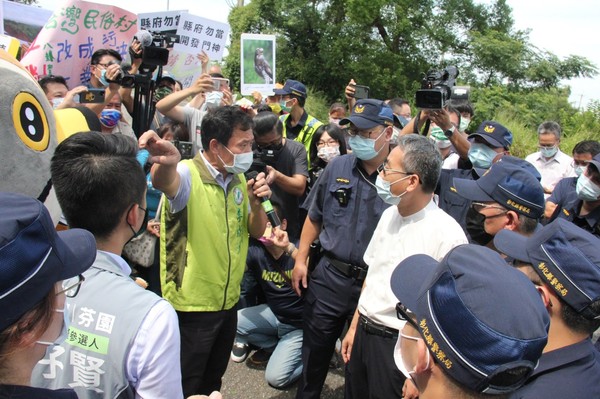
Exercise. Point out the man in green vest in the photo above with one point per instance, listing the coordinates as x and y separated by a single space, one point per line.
210 212
298 125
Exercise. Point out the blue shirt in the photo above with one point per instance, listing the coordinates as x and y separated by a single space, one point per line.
571 372
450 201
568 206
346 229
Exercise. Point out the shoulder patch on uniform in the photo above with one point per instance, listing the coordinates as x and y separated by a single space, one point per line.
453 189
342 180
566 212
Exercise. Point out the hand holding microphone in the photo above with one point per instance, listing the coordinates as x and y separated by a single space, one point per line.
265 202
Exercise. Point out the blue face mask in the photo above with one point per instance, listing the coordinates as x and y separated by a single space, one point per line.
481 156
364 148
586 189
102 78
241 162
384 190
549 152
579 170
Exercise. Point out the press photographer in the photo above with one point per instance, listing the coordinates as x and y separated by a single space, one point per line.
285 164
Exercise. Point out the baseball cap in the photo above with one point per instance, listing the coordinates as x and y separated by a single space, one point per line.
368 113
494 134
565 257
33 256
482 320
596 161
292 87
511 183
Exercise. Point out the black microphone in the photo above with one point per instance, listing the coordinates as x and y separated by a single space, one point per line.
266 203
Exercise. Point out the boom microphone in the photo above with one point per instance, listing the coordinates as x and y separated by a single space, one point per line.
266 204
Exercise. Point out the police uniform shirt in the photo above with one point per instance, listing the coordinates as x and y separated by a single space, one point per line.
450 201
293 132
281 298
571 372
563 190
344 201
569 207
25 392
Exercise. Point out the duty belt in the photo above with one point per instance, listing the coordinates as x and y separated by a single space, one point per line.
377 329
347 269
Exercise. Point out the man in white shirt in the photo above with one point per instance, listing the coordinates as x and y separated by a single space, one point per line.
415 225
550 161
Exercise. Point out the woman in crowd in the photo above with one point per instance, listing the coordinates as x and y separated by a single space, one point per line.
327 143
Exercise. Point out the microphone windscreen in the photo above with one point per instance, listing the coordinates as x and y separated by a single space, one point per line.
144 37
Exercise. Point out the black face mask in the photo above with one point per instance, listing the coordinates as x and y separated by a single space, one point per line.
475 229
142 227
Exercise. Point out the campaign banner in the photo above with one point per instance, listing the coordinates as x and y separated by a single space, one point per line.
75 30
257 64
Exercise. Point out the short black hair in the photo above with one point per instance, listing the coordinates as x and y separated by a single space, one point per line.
463 106
267 122
179 130
46 80
397 102
587 147
97 178
220 122
98 54
301 100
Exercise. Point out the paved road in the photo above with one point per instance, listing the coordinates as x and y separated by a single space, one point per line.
244 382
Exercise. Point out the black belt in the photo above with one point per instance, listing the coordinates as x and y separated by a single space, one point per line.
377 329
347 269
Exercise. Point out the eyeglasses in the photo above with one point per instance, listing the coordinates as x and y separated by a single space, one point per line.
383 168
353 132
575 163
329 143
71 286
478 207
404 314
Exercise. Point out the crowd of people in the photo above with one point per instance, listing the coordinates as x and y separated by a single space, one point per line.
415 247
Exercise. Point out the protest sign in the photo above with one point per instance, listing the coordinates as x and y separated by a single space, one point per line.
75 30
257 63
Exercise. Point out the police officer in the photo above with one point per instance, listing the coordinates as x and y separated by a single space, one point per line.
343 211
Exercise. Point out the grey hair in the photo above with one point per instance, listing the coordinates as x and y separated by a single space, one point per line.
550 127
422 158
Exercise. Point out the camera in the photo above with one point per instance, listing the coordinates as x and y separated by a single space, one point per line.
123 79
185 148
436 88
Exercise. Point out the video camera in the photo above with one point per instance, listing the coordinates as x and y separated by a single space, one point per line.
437 88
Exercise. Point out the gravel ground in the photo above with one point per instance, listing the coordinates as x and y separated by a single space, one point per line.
242 381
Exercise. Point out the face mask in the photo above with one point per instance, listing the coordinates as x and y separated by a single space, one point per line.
142 228
384 190
161 93
328 153
364 148
275 107
102 78
395 135
214 97
56 102
464 123
63 331
110 117
284 106
586 189
241 162
412 372
579 170
335 121
481 156
549 152
475 228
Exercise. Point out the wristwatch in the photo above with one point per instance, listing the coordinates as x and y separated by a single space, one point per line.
448 133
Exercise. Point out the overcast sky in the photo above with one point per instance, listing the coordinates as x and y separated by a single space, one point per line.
562 27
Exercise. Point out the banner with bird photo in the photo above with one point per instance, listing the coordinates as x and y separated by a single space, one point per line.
257 64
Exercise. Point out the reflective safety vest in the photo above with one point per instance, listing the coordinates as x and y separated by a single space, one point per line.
306 134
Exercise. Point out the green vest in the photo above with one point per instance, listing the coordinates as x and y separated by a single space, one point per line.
306 134
203 247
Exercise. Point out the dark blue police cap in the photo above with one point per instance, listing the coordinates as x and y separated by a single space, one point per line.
495 134
480 318
33 256
368 113
565 257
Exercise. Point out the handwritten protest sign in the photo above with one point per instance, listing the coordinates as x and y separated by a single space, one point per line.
162 21
72 34
196 34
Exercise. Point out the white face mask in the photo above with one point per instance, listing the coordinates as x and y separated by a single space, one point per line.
241 162
214 97
57 101
328 153
586 189
63 331
464 123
